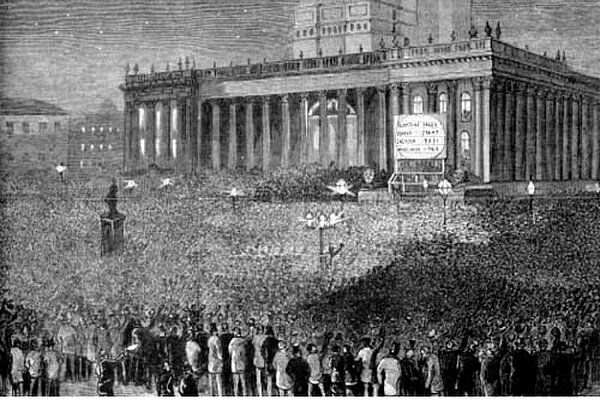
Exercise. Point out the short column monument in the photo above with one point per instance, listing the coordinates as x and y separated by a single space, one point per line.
112 224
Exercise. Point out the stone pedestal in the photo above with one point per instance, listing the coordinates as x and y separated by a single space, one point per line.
112 233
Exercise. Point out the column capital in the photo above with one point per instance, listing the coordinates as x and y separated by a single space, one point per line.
304 96
520 88
322 93
381 89
432 87
361 91
541 93
285 98
406 87
452 87
265 99
482 82
532 91
395 86
342 92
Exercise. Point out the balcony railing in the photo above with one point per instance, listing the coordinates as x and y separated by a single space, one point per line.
349 61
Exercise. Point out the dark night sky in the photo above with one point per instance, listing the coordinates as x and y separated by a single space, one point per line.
73 52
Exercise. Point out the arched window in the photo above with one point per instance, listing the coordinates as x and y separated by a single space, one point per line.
465 145
311 32
443 103
352 27
417 104
335 29
465 106
366 26
358 26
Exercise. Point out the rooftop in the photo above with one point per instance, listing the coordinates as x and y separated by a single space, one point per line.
18 106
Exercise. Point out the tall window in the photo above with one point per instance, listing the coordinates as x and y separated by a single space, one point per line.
465 106
465 145
10 128
43 127
443 103
26 128
56 127
417 105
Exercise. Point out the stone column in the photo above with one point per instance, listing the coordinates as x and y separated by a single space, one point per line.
175 145
452 127
432 96
232 142
342 132
127 135
381 131
520 141
540 137
150 132
323 129
266 133
216 136
549 141
285 132
509 133
360 121
166 128
477 136
530 135
595 141
558 134
406 91
304 140
575 132
500 134
566 140
249 127
158 132
190 142
485 130
585 142
394 110
199 144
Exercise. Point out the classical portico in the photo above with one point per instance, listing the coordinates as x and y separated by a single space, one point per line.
509 114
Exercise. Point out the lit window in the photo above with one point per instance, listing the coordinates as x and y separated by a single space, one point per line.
465 145
418 105
465 106
110 147
101 147
443 103
143 147
92 147
82 147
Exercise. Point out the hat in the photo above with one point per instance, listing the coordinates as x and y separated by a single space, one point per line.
282 345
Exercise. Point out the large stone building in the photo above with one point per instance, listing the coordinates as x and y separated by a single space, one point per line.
508 114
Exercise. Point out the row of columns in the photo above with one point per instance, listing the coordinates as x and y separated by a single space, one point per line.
544 134
163 131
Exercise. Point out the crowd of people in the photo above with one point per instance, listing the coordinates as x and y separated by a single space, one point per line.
182 352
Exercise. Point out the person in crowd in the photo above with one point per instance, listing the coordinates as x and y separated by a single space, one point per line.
215 362
337 370
188 387
225 338
268 350
315 379
237 351
259 361
467 371
105 371
490 371
18 368
280 362
448 361
389 372
34 364
433 381
521 365
299 371
67 345
364 358
165 382
351 371
543 384
53 362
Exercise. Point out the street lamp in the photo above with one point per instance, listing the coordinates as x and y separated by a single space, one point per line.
60 168
445 188
531 192
322 222
426 186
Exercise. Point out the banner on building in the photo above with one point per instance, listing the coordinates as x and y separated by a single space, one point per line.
419 137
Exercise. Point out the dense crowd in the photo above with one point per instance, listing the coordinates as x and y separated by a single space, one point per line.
195 351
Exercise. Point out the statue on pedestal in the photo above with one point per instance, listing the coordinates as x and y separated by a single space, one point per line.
111 201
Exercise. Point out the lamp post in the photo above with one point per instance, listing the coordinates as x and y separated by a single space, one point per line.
531 192
425 186
321 222
60 168
445 188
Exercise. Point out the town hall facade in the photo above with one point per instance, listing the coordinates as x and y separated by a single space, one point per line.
509 114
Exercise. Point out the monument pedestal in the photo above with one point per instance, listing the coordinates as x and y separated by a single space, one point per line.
111 230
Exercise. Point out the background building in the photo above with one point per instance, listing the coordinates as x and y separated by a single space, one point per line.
510 114
31 117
